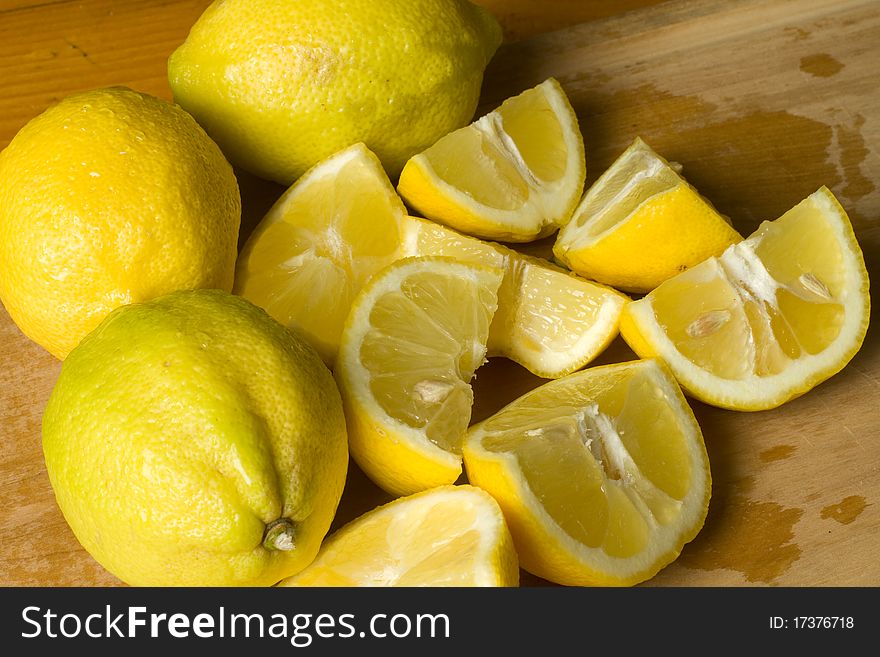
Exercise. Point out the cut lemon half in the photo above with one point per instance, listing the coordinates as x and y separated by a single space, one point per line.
602 475
641 223
446 536
768 320
550 321
412 342
319 243
514 175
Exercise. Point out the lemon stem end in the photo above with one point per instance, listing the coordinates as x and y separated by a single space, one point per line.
279 535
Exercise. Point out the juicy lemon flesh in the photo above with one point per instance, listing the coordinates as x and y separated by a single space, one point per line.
319 244
493 159
547 310
759 307
709 295
448 536
428 238
472 162
421 353
778 313
602 475
550 321
532 124
606 460
417 345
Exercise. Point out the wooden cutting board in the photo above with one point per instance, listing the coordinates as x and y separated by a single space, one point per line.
762 102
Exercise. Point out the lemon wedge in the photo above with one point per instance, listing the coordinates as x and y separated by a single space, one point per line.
514 175
641 223
319 243
411 344
769 319
602 475
445 536
550 321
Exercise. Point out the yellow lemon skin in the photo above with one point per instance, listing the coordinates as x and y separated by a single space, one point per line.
192 440
665 236
282 85
107 198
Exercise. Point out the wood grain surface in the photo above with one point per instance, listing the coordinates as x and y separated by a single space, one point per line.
762 102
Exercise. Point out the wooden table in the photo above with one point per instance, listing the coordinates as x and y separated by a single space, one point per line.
762 102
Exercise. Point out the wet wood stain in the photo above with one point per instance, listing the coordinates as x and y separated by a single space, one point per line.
853 152
777 453
845 511
739 162
821 65
745 535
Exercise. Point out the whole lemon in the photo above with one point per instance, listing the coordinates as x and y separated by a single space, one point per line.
281 85
193 440
110 197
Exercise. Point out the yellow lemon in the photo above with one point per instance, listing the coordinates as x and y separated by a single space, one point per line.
602 475
107 198
411 344
192 440
445 536
282 85
641 223
549 320
319 244
767 320
514 175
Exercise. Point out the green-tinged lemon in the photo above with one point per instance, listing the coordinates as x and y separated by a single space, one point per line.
193 440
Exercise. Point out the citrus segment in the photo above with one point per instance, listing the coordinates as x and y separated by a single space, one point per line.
548 320
514 175
412 342
446 536
319 243
767 320
602 475
641 223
